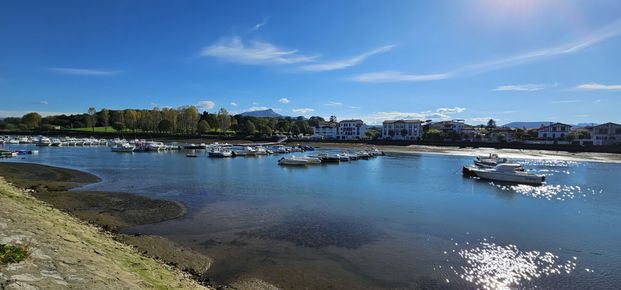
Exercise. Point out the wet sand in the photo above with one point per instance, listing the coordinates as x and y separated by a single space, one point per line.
112 211
469 151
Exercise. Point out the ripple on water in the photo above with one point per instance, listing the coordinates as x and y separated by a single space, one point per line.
492 266
321 229
549 191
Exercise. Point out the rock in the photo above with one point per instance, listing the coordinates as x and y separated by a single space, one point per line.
20 286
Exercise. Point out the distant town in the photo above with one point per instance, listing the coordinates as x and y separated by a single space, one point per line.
188 121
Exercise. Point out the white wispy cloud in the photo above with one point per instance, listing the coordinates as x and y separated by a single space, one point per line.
258 25
283 101
594 38
233 104
333 104
256 53
599 87
522 87
303 111
450 110
84 71
205 105
565 101
44 102
482 120
394 76
438 114
257 108
345 63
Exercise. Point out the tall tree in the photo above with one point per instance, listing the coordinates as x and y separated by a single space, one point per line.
104 115
203 127
224 120
32 120
91 113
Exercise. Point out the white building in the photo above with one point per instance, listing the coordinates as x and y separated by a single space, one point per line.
351 130
606 134
402 130
326 130
555 131
447 127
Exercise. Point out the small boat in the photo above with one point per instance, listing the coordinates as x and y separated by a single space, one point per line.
220 153
56 142
505 172
192 155
312 160
344 157
293 161
44 142
328 158
489 161
123 147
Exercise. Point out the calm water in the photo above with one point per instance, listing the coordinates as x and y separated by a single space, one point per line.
398 221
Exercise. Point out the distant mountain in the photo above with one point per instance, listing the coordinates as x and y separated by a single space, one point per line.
261 113
527 125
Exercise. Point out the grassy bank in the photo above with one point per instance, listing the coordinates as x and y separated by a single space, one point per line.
112 211
65 252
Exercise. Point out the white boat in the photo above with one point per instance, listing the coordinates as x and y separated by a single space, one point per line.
155 146
293 161
343 157
220 153
24 140
44 141
505 172
489 161
56 142
14 141
312 160
123 147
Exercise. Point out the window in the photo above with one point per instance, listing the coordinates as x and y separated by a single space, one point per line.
602 131
618 131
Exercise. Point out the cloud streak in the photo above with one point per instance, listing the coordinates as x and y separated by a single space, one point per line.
610 31
303 111
346 63
258 25
599 87
256 53
394 76
84 71
521 87
283 101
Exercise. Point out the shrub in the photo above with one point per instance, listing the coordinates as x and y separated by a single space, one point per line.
12 253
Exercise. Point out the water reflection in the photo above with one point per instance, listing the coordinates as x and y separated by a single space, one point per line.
492 266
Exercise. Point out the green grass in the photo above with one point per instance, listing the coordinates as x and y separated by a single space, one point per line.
97 129
12 253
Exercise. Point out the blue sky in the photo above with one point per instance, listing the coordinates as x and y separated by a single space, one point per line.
509 60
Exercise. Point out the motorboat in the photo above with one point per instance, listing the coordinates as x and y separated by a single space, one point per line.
293 161
56 142
504 172
154 146
343 157
312 160
220 153
328 158
489 161
123 147
44 142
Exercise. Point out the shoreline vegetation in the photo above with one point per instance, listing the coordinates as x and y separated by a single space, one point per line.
65 227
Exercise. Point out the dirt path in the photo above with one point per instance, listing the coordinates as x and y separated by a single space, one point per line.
66 253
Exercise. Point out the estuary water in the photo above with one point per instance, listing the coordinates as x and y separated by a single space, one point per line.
401 221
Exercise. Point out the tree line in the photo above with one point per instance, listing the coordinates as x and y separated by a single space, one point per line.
185 120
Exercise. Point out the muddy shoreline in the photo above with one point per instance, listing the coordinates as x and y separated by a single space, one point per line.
111 211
